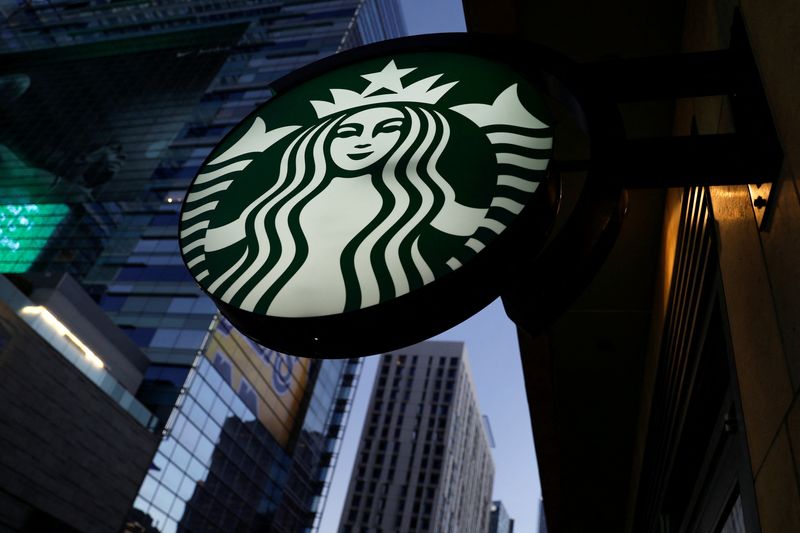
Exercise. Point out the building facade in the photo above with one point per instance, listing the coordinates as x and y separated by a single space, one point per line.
250 442
674 408
424 462
72 436
108 111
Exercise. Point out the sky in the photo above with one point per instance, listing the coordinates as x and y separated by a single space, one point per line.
491 343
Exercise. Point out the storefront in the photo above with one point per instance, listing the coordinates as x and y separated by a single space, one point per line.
664 399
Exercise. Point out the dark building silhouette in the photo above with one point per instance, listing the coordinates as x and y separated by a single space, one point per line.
72 437
499 521
665 398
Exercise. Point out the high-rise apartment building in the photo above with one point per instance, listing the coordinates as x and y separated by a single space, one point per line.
108 109
424 462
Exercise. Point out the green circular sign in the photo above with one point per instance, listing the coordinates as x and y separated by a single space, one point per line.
363 185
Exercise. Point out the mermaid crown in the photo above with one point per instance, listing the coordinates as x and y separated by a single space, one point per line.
389 82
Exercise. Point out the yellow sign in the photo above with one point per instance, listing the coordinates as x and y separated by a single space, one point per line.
270 383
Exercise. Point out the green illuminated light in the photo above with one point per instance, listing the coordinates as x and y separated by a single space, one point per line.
24 231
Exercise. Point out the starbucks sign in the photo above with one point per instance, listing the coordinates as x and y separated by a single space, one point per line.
372 201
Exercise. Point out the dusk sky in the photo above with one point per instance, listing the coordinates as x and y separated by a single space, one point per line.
491 342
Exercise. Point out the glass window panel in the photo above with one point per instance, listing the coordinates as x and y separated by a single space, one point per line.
156 304
140 504
196 470
177 509
181 305
187 488
180 422
158 516
165 338
204 450
160 462
181 457
219 411
148 488
145 245
189 436
205 396
204 305
211 429
167 245
172 477
167 446
133 304
163 498
189 339
170 526
198 416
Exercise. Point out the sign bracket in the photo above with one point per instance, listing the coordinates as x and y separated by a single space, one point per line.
750 155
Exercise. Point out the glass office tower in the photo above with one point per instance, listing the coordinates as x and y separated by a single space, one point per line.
250 443
112 107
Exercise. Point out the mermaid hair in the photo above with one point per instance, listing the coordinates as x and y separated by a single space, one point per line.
380 262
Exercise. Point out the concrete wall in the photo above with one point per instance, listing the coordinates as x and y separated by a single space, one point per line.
69 456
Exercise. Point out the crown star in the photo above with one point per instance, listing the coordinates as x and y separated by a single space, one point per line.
421 91
388 78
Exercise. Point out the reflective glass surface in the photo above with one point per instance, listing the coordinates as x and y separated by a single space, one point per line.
116 130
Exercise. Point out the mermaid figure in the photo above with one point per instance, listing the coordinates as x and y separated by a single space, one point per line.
340 228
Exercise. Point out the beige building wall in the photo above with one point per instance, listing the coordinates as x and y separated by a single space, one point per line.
761 269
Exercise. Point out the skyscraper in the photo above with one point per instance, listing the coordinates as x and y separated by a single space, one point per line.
108 111
423 463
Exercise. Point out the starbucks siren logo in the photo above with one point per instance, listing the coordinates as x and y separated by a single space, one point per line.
373 195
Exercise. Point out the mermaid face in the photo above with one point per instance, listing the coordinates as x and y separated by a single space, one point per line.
366 138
